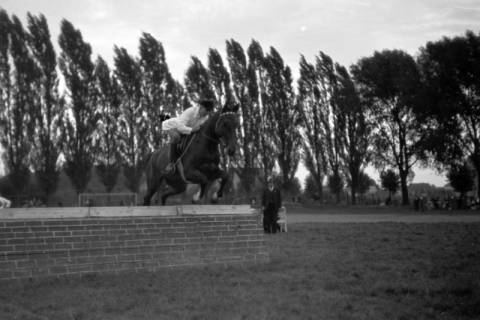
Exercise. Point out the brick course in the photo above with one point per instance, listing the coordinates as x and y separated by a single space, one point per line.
37 248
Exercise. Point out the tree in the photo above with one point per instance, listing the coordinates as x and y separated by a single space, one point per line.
364 182
389 83
17 100
197 82
311 188
336 184
133 126
220 82
48 112
451 72
461 179
158 88
107 142
314 145
243 89
284 116
352 129
219 78
390 181
328 112
79 128
5 83
292 187
5 78
265 101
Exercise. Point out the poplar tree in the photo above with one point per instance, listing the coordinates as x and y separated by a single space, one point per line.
18 81
108 107
259 69
284 116
353 130
219 78
220 82
328 86
314 145
197 82
133 124
79 128
256 74
157 89
48 111
245 164
5 85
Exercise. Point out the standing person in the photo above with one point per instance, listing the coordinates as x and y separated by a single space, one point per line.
188 122
271 203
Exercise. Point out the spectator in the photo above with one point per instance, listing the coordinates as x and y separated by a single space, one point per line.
423 200
416 202
271 203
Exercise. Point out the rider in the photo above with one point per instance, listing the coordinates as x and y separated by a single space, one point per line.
188 122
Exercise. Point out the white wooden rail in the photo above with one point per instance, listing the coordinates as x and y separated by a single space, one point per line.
82 212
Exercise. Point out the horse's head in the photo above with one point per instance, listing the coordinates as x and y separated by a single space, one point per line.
226 129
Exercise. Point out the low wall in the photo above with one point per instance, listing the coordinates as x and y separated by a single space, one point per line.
36 243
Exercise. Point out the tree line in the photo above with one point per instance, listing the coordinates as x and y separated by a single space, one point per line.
391 109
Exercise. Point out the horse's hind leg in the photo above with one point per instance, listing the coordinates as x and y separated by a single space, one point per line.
148 196
173 190
150 192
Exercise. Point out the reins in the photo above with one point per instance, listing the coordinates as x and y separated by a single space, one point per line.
184 150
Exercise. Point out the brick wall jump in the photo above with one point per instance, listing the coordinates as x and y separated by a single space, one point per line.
38 248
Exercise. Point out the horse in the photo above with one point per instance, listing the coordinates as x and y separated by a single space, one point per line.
201 158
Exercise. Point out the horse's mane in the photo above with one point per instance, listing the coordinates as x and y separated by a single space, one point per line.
212 120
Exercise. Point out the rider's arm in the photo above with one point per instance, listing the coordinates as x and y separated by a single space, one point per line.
186 117
179 122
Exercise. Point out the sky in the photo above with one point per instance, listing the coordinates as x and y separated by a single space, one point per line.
346 30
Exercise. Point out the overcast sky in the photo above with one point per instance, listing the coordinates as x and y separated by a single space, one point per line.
344 29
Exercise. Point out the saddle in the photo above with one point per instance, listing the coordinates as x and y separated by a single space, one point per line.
177 150
180 145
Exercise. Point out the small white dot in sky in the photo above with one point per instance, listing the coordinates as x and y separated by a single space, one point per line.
303 28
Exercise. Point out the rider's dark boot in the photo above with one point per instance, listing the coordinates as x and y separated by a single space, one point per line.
180 171
170 168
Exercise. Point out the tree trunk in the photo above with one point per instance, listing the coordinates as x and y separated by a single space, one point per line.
354 174
320 188
353 191
478 182
403 182
476 164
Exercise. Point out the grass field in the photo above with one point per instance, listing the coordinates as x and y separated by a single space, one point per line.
317 271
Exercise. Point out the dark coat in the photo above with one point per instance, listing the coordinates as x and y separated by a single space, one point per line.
271 201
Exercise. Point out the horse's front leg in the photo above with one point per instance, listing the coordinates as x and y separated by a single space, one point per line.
197 177
174 187
223 176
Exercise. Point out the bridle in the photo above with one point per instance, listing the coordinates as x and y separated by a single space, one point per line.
216 125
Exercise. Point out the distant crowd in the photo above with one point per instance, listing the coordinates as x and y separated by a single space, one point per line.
423 202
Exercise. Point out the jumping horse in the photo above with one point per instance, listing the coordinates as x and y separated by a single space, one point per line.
201 158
